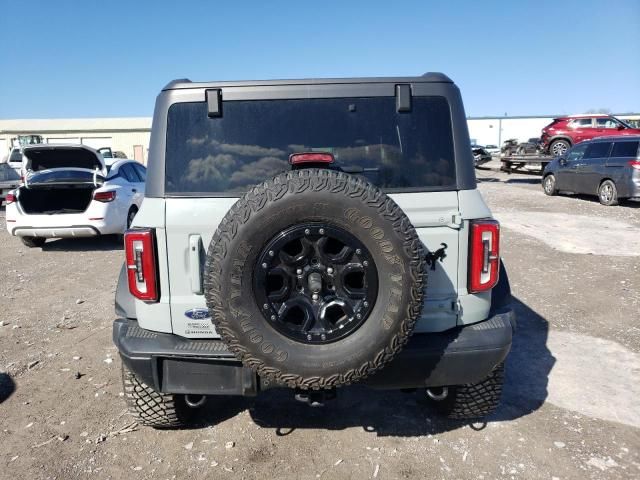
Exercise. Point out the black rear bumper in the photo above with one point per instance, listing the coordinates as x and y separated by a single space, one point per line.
174 364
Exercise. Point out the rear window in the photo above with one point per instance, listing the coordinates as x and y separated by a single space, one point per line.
252 141
625 149
16 156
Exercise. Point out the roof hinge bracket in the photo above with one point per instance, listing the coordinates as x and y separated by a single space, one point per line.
214 102
403 97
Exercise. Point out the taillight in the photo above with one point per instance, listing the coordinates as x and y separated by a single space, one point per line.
310 157
139 245
105 197
10 198
484 255
635 164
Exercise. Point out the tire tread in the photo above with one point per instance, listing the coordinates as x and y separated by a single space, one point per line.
298 181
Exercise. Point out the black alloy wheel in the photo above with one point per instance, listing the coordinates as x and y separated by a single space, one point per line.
315 283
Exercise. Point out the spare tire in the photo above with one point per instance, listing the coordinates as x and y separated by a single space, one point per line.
315 279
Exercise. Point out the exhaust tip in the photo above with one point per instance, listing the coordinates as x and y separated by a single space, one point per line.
438 394
195 401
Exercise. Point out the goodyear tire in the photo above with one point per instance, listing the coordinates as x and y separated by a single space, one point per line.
152 408
350 290
475 400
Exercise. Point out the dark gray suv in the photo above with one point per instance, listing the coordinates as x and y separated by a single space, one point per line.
608 167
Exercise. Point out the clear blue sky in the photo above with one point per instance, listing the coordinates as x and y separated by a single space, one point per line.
88 58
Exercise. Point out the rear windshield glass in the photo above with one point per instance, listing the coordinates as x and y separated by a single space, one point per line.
252 141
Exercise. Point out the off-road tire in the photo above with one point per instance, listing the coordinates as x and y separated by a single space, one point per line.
152 408
610 199
549 185
475 400
33 242
339 200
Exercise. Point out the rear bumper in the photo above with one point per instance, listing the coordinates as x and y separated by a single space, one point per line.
56 232
174 364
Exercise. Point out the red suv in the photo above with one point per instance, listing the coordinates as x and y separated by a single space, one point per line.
564 132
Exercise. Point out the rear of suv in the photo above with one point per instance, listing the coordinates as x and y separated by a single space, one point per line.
311 234
564 132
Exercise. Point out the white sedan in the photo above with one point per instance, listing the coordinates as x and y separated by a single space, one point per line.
69 191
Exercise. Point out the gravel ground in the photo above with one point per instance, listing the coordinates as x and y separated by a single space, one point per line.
570 409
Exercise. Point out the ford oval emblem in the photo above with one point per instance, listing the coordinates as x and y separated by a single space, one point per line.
197 314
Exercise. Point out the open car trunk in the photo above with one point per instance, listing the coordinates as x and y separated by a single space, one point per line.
49 201
60 178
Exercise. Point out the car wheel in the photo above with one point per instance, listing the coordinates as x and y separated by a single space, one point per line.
293 272
130 216
608 193
559 147
471 401
153 408
549 185
33 242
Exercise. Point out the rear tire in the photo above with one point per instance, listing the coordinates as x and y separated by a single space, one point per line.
475 400
608 193
33 242
131 214
152 408
549 185
559 147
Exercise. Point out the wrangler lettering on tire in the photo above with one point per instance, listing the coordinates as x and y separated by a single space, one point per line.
315 279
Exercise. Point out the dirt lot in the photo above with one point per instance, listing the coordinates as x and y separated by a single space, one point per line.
571 407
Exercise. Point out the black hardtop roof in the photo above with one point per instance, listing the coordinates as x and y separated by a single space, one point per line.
429 77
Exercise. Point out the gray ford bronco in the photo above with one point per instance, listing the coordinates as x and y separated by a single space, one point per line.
311 234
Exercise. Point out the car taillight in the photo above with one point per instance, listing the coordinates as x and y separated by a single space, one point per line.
139 245
635 164
105 196
10 198
484 255
310 157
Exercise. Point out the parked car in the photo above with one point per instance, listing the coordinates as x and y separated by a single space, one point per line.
608 167
272 257
531 146
564 132
9 180
68 191
509 147
480 155
107 153
492 149
14 159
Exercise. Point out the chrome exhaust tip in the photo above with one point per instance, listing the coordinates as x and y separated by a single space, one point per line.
195 401
438 394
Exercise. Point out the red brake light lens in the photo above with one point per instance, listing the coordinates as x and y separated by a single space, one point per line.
105 197
310 157
484 255
10 198
635 164
139 245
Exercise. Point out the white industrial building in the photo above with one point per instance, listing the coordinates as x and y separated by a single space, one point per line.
131 134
